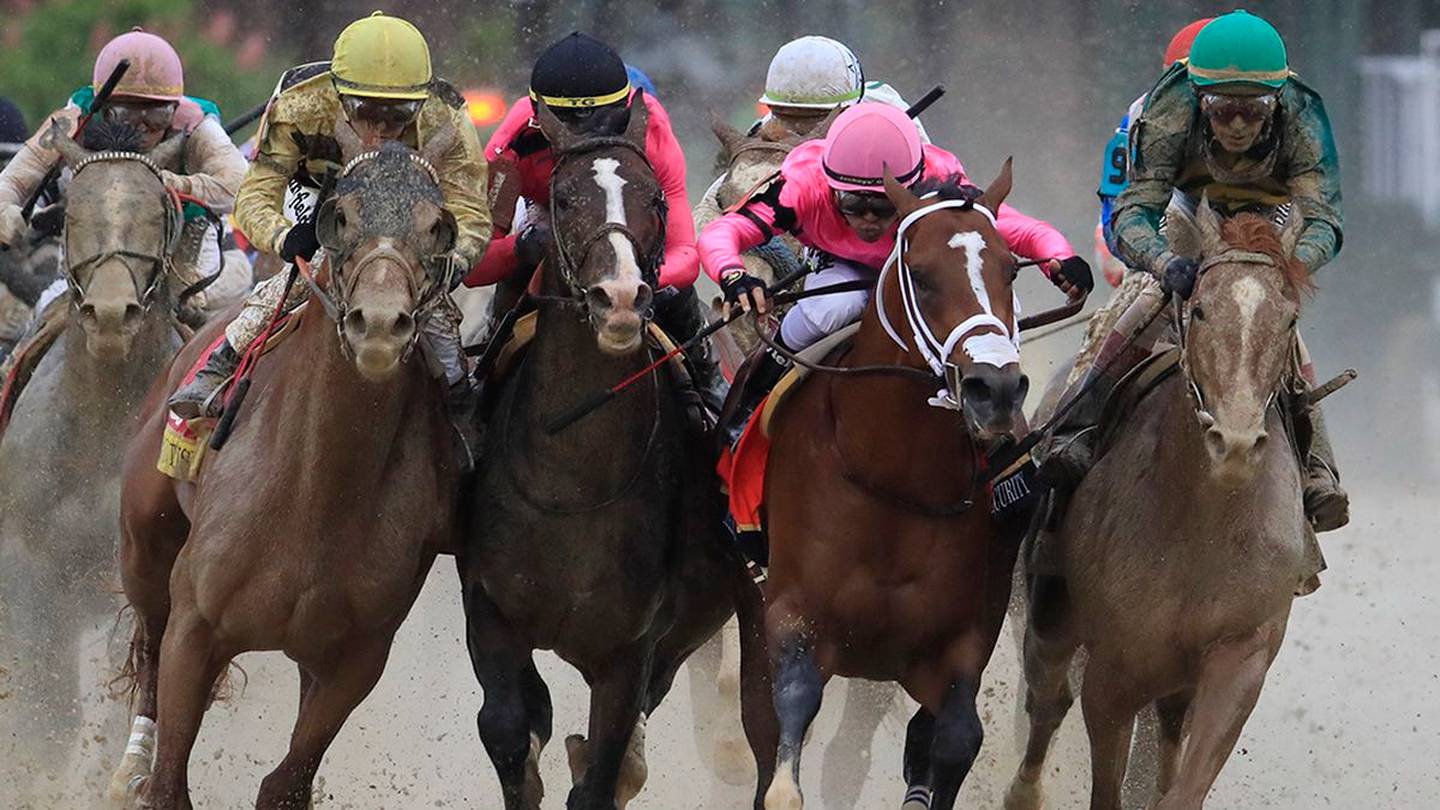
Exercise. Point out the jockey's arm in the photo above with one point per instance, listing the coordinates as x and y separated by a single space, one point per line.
682 260
259 205
216 164
463 176
499 262
26 171
1031 237
724 239
1314 185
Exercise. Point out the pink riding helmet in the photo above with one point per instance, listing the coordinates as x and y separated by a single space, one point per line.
154 73
864 140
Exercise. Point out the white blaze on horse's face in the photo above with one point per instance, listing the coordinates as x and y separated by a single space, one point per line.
619 318
989 348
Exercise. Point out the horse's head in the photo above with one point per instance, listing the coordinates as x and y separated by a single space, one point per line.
120 227
388 237
1238 328
751 160
955 276
608 215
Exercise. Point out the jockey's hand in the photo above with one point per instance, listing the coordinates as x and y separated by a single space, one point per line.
300 241
744 290
12 226
532 244
1072 275
1179 277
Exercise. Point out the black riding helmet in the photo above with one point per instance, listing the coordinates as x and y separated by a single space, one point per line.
583 82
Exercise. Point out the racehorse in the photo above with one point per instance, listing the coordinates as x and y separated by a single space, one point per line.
886 561
312 531
1184 545
60 456
603 541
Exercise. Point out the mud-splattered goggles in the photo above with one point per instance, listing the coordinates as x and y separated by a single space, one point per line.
383 111
150 115
858 204
1251 109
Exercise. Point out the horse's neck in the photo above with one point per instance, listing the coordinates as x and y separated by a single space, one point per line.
330 418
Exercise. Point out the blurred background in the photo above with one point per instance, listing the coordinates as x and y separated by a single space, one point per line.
1349 718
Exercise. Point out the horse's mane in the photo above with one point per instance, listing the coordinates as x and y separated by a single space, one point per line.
948 187
395 170
1255 233
112 136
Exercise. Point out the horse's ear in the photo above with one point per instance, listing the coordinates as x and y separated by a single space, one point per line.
167 153
823 128
1291 230
59 140
439 144
1209 221
1183 232
999 188
347 138
560 136
327 224
445 231
638 127
905 201
730 138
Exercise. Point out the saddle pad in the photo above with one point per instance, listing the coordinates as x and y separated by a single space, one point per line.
20 366
797 373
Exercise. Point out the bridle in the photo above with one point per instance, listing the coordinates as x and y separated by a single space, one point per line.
1182 325
999 350
339 287
568 261
160 262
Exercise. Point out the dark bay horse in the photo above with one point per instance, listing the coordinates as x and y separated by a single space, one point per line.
60 453
886 562
1184 545
312 531
602 542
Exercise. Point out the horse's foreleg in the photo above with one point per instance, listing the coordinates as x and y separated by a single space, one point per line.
1048 648
189 666
799 687
919 735
956 743
327 699
507 676
1109 703
757 705
847 756
1171 712
609 764
1230 681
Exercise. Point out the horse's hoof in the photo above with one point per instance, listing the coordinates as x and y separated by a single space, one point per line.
534 790
127 782
1024 795
577 752
784 794
918 798
633 770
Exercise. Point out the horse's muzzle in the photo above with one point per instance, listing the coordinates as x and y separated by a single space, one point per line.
1235 455
618 310
378 337
992 398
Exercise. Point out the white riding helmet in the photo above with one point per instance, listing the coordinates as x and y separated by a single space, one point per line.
815 73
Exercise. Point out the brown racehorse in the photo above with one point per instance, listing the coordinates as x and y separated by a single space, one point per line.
1184 545
886 562
313 530
601 541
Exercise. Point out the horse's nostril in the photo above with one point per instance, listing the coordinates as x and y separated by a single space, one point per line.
355 322
596 298
87 311
1215 442
975 389
644 297
404 325
133 314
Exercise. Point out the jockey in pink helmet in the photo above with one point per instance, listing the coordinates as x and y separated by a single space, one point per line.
150 99
830 195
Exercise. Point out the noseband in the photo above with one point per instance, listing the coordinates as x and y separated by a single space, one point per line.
568 263
1004 347
1182 323
159 262
335 295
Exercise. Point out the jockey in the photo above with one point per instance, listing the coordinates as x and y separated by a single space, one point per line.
1116 160
378 84
812 76
585 84
1237 126
151 98
830 196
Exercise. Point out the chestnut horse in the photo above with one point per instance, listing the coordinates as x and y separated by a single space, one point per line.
602 541
312 531
886 561
1183 547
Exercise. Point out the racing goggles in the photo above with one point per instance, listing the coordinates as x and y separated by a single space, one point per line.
147 115
390 112
858 204
1251 109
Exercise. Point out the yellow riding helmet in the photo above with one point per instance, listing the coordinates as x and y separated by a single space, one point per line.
382 57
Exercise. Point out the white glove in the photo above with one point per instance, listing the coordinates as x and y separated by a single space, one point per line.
12 226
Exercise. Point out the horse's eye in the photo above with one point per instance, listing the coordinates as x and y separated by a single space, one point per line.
1197 313
562 203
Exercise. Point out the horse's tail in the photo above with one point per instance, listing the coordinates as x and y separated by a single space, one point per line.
126 682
